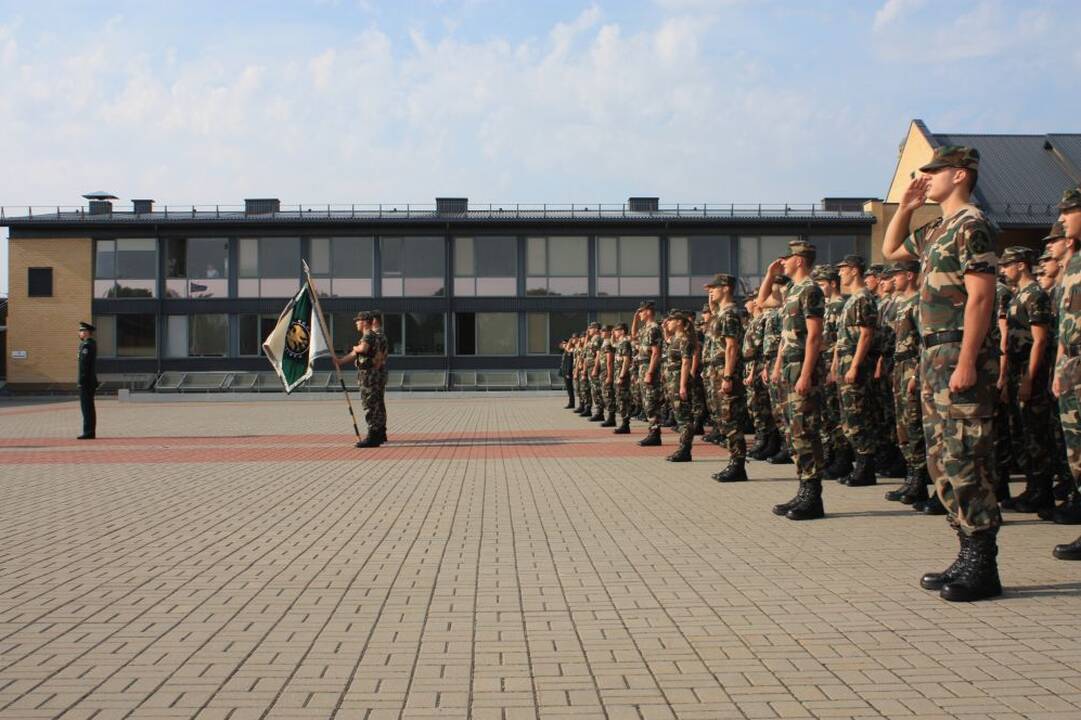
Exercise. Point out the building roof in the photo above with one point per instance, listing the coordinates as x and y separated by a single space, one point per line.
1021 177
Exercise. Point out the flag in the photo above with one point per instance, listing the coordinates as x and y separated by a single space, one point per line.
296 341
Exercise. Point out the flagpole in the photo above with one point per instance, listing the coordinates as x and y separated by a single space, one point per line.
323 326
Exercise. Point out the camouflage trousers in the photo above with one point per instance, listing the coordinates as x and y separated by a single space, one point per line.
857 407
777 397
1069 410
681 409
730 408
608 395
960 440
886 430
711 379
758 402
804 414
372 386
623 397
698 399
833 436
909 413
652 397
596 391
636 388
1038 442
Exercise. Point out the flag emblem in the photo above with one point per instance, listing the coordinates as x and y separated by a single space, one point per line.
297 340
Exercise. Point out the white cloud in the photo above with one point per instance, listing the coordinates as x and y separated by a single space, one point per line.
893 10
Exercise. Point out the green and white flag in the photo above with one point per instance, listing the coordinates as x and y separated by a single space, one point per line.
297 340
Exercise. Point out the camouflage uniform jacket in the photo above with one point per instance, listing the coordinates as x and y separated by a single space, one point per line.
751 351
803 301
606 347
366 361
948 249
831 324
680 346
860 310
1003 297
906 329
649 336
771 336
596 346
709 347
623 349
1069 320
1030 306
884 332
727 324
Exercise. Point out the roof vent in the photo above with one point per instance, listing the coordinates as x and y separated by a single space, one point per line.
261 206
643 204
451 206
101 202
142 207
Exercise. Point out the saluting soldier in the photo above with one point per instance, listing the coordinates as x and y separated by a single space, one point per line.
710 376
771 342
958 362
88 379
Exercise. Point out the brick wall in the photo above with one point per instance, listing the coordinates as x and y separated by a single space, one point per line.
47 328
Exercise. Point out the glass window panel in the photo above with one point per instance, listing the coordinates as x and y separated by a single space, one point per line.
267 323
423 286
425 334
135 288
536 325
536 286
495 286
424 257
607 256
496 256
561 325
639 286
677 256
136 258
497 333
391 250
568 285
249 335
608 286
278 288
208 258
246 287
105 335
465 333
208 288
136 335
568 256
176 258
105 259
748 256
105 288
709 255
208 335
680 285
248 257
344 331
614 318
176 336
352 257
176 288
392 287
279 257
463 257
638 257
351 287
773 247
535 256
465 286
392 326
319 262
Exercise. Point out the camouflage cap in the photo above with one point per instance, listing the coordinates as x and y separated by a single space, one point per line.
1071 199
912 266
824 272
1057 232
1045 256
957 156
621 326
647 305
782 280
377 315
681 315
721 280
802 248
1017 253
875 269
855 261
594 325
606 328
362 315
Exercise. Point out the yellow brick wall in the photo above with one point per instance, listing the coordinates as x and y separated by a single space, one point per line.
47 328
917 152
883 213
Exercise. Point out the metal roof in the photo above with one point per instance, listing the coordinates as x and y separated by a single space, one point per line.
1022 177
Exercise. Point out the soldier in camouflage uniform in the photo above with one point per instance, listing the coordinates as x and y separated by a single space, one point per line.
648 346
679 377
958 362
889 461
905 380
624 371
596 372
607 376
833 440
1006 419
710 376
364 355
797 366
758 407
382 373
852 368
585 395
726 332
1067 378
771 342
1029 351
698 383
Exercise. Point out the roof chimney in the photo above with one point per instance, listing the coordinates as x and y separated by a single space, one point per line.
643 204
100 202
261 206
142 207
451 206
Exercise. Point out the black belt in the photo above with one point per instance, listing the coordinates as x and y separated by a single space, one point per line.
938 338
901 357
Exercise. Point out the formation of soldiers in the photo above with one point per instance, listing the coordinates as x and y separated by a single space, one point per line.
950 367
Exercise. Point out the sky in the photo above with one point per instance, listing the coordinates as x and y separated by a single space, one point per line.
361 101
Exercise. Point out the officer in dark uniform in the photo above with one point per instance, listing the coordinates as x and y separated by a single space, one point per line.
88 378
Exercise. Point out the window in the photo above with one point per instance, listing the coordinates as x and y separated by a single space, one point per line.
345 263
136 335
557 266
628 265
413 266
254 329
105 335
486 266
614 318
755 255
544 331
486 333
693 261
415 333
203 335
268 267
833 248
39 282
125 268
197 268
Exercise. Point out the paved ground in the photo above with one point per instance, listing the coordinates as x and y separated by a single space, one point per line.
500 559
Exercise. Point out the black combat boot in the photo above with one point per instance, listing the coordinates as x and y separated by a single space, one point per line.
799 497
569 405
683 454
782 456
699 427
1063 487
735 471
977 578
863 472
1069 551
624 428
610 421
810 508
381 437
1041 497
937 580
842 464
1021 497
898 493
370 441
598 415
713 436
897 467
917 493
652 438
585 410
1069 512
933 506
759 444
